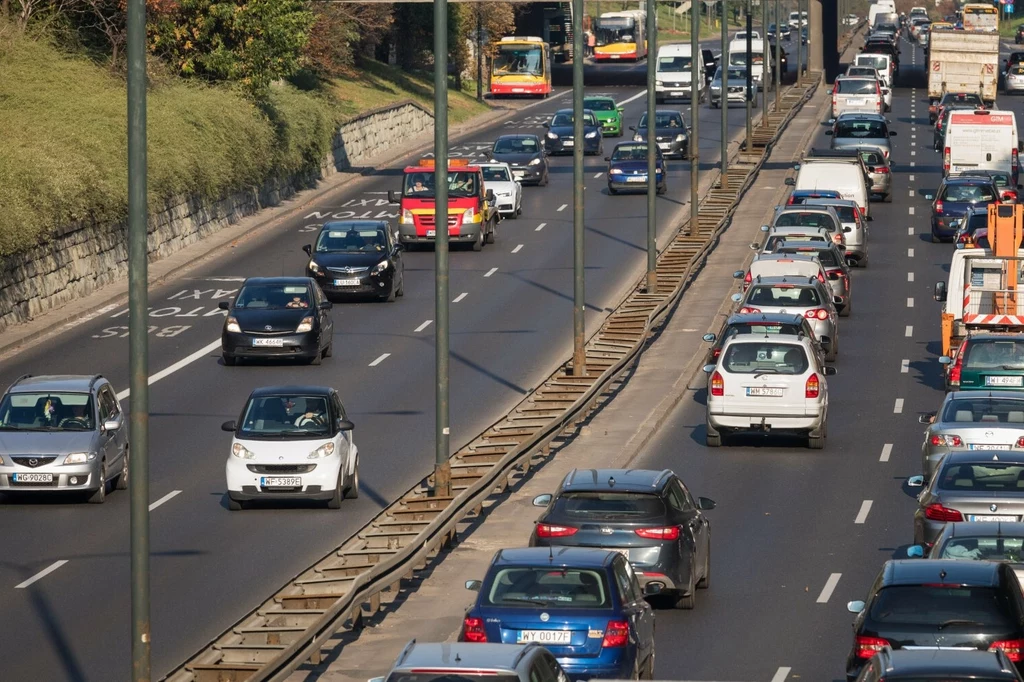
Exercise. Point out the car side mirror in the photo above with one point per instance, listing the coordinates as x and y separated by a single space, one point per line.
547 125
754 246
326 305
393 197
765 228
224 305
633 128
474 585
376 679
892 133
915 481
828 133
345 425
710 338
620 109
112 424
940 292
915 552
652 588
228 426
790 182
542 500
706 503
855 606
708 369
736 298
308 249
489 195
607 158
738 274
945 360
847 229
830 371
926 418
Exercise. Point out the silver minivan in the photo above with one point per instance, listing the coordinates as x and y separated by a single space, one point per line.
856 95
862 131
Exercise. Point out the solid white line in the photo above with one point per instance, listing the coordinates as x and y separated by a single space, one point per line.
540 227
461 296
830 586
904 366
491 272
563 207
166 498
184 362
41 574
886 451
911 178
636 96
380 359
862 515
910 331
781 674
910 277
422 326
910 252
910 301
898 407
911 209
517 249
598 176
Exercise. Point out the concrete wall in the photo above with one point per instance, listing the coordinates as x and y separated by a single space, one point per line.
84 257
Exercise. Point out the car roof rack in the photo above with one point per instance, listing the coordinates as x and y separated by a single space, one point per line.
19 380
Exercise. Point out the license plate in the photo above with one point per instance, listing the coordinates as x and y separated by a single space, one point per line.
983 446
33 478
764 391
280 482
678 93
430 233
545 636
346 282
615 56
276 343
636 179
518 175
856 101
518 90
982 519
1004 381
567 143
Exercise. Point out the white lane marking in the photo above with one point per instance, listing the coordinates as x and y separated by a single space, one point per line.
910 331
910 277
184 362
910 301
913 163
536 104
886 451
911 193
638 95
862 515
830 586
380 359
911 178
910 231
518 248
913 152
41 574
422 326
781 674
461 296
598 176
540 227
910 252
494 270
913 137
911 209
898 407
563 207
166 498
904 366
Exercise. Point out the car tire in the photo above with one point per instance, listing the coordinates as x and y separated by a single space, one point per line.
478 245
229 360
491 236
818 442
235 505
935 239
612 190
687 601
847 309
99 496
544 181
339 495
712 438
401 284
661 189
352 491
122 478
888 198
705 582
390 297
317 357
329 351
833 352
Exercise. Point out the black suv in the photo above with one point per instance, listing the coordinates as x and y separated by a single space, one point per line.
949 666
647 516
938 603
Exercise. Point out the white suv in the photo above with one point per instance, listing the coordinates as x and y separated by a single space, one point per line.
766 385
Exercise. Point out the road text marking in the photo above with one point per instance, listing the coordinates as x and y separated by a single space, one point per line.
41 574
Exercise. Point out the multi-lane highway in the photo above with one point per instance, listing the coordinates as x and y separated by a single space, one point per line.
65 568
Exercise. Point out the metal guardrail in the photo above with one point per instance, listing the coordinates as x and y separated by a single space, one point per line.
294 625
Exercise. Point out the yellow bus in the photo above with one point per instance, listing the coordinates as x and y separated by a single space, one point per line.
980 17
620 36
521 65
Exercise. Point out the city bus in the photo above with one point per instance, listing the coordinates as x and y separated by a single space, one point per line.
521 65
620 36
980 17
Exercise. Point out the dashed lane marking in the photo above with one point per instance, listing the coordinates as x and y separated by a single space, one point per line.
862 515
563 207
461 296
910 331
904 366
910 252
380 359
910 301
41 574
184 362
826 592
540 227
519 247
886 452
491 272
910 277
781 674
423 326
898 407
166 498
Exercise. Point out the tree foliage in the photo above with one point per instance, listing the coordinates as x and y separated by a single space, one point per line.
342 32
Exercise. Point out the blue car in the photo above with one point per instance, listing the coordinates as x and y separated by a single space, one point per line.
627 168
955 195
800 196
585 605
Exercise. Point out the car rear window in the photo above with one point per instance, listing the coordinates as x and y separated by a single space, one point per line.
982 476
765 358
454 676
778 241
825 256
861 129
1000 548
1017 70
805 219
847 214
969 193
761 329
608 505
1002 354
766 294
971 410
548 587
935 605
856 87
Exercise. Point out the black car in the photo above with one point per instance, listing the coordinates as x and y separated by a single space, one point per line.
648 516
278 317
965 100
357 257
670 132
953 197
936 664
1018 36
560 139
525 156
938 603
783 324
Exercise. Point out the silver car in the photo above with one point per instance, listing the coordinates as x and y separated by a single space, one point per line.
855 228
736 85
1013 84
972 420
862 131
62 433
832 260
879 169
972 486
856 95
801 295
802 215
978 541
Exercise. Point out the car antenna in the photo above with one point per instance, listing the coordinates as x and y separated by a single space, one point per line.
942 575
611 481
458 659
551 555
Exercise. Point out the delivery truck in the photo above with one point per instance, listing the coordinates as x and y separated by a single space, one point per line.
963 61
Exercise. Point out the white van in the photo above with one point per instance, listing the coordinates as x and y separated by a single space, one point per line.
795 19
673 71
981 140
758 55
881 62
845 176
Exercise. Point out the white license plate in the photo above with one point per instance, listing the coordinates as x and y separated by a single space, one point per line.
431 233
567 143
346 282
615 56
678 93
545 636
280 482
856 101
764 391
33 478
983 446
518 175
275 343
1004 381
518 90
636 179
982 519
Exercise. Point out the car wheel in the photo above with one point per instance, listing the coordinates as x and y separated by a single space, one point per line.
401 284
888 198
847 309
235 505
335 501
352 491
712 438
329 351
122 478
544 182
705 581
317 357
478 245
689 600
817 442
229 360
612 190
99 496
492 235
833 352
935 239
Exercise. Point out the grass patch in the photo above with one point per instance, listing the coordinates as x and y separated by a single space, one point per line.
1008 27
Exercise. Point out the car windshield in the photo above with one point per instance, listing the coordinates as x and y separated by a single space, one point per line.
859 86
778 241
970 193
765 357
363 239
562 120
740 58
47 411
1001 410
847 214
962 98
460 184
630 152
1001 548
496 174
674 64
935 604
599 104
273 296
734 74
871 158
761 329
286 415
783 295
805 219
862 129
547 587
982 477
668 120
609 505
513 145
995 354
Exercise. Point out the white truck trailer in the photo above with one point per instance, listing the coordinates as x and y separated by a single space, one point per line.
963 61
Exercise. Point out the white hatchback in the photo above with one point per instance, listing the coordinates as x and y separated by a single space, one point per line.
508 192
292 442
767 385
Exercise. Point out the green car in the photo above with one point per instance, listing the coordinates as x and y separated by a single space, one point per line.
986 362
608 114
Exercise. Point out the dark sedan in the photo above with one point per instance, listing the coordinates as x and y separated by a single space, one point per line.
357 257
627 168
954 196
560 138
936 664
278 317
670 132
525 156
765 324
1018 36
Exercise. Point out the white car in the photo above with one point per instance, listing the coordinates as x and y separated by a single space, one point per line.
292 442
508 193
768 385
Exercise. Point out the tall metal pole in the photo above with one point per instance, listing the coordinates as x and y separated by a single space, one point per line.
778 57
723 68
693 139
479 53
751 94
442 467
766 74
138 345
652 157
579 321
799 42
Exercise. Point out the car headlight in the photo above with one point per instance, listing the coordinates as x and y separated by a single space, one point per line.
535 162
325 450
380 267
1 460
615 171
406 218
591 135
305 325
79 457
552 136
680 137
232 325
469 215
242 452
314 267
638 138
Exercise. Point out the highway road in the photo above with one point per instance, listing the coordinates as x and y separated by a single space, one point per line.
64 574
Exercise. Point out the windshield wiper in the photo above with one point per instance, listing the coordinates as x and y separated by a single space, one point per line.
1012 366
959 621
522 600
6 427
766 370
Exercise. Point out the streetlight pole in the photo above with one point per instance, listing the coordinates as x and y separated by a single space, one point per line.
723 69
579 322
799 42
750 95
479 53
442 434
693 139
765 74
778 56
652 147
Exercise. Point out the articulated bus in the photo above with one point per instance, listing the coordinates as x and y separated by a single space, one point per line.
620 36
980 17
521 65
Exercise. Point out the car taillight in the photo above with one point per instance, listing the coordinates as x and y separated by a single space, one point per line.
938 206
747 278
837 238
945 159
955 370
812 387
660 533
716 352
869 646
547 530
1020 442
947 440
791 200
880 169
816 314
1009 196
717 384
863 210
1011 647
936 512
821 277
616 634
473 630
745 309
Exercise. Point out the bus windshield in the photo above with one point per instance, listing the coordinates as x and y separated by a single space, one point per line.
611 30
519 59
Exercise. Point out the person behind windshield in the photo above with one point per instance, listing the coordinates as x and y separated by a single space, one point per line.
297 302
419 185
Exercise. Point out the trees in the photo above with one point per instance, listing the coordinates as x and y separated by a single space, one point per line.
341 32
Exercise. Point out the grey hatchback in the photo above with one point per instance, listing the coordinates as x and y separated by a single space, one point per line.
468 661
63 433
862 131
